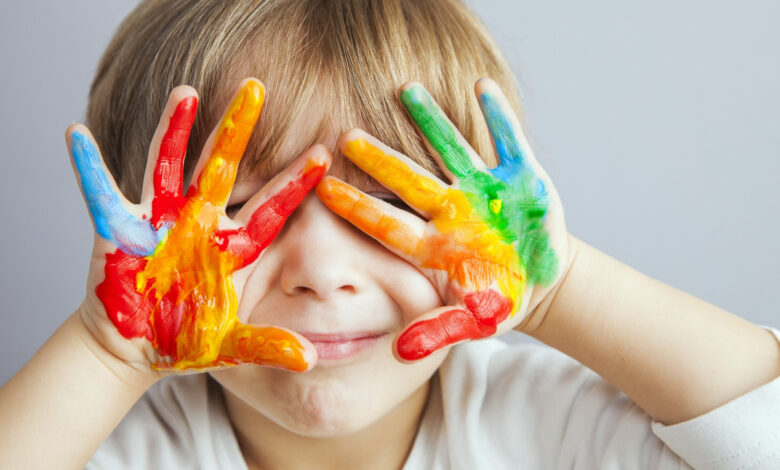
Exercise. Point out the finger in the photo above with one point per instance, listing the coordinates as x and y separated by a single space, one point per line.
445 326
511 146
398 230
239 244
415 185
267 346
270 207
113 215
165 164
216 174
455 155
277 200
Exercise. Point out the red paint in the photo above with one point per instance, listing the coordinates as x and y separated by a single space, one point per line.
238 243
168 171
167 317
130 311
269 218
485 311
127 308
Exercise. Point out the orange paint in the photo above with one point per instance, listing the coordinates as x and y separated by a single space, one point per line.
363 211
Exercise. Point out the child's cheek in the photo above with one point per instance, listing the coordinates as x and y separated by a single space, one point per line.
414 293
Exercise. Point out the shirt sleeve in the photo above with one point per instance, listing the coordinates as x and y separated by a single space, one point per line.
153 434
531 406
523 404
179 423
744 433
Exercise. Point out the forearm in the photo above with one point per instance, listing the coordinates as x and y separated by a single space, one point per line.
675 355
56 411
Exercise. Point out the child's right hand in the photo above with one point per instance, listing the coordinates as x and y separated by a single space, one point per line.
161 290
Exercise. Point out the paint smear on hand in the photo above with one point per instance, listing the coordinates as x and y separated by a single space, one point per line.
486 230
179 295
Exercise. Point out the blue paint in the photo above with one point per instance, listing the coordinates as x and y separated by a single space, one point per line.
512 158
524 194
112 221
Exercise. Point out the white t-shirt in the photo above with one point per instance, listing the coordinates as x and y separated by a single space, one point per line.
492 406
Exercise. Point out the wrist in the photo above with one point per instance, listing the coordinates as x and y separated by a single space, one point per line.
535 319
71 394
136 377
676 356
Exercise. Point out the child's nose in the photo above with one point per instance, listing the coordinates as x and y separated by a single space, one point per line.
320 253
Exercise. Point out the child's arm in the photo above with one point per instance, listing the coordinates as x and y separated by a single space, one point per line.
163 287
61 405
675 355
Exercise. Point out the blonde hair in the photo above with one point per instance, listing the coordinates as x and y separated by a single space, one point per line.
336 63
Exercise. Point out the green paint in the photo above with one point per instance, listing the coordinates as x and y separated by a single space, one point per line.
509 198
520 220
435 126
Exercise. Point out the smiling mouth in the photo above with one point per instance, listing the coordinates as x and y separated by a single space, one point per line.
341 346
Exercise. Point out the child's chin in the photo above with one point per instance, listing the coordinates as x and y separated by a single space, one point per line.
328 412
326 429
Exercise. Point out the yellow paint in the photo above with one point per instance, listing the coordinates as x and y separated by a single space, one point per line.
424 194
495 205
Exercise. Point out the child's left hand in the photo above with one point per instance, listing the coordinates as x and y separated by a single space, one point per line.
494 243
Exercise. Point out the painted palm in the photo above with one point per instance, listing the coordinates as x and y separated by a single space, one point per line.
169 280
485 239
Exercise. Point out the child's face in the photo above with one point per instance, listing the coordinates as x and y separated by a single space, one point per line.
321 276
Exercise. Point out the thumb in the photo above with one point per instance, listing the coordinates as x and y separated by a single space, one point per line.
267 346
439 329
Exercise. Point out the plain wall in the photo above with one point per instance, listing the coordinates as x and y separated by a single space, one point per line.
659 123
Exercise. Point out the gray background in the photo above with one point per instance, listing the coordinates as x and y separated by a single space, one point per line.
658 122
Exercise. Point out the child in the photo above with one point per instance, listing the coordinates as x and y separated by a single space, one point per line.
358 326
